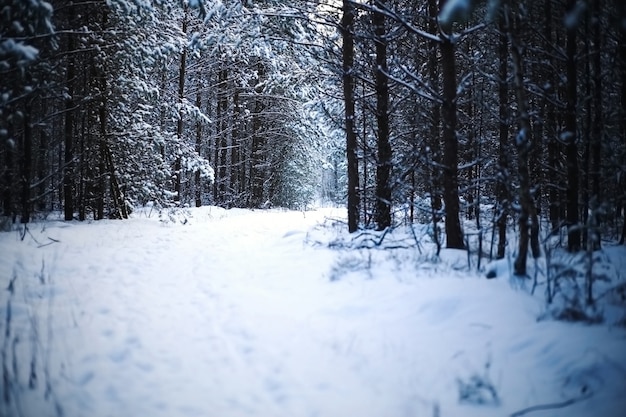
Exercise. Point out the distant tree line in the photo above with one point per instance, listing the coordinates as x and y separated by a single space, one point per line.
108 105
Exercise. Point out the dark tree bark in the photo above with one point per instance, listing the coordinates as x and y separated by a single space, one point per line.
598 120
586 138
180 123
42 170
435 117
223 148
622 54
502 206
528 222
367 155
221 139
454 233
81 200
121 211
347 24
384 152
197 179
216 141
571 149
257 159
235 146
68 138
551 177
244 156
8 174
117 197
27 156
101 182
470 155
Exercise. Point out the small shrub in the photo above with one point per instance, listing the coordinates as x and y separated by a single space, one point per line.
571 279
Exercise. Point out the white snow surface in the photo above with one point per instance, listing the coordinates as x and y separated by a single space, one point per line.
237 313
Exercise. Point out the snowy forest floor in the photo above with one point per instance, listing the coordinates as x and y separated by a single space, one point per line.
251 313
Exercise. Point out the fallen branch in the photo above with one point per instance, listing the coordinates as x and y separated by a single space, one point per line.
39 244
52 241
550 406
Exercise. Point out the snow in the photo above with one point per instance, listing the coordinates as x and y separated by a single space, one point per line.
454 10
250 313
521 139
21 51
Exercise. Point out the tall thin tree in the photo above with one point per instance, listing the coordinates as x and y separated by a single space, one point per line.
347 32
384 151
454 233
528 222
570 133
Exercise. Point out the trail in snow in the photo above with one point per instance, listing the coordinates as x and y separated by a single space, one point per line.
233 314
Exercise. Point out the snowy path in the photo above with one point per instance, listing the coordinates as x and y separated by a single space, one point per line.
233 315
184 318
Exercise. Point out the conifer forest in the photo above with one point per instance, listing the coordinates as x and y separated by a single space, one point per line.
297 208
510 115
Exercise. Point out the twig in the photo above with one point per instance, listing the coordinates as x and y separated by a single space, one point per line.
417 242
39 245
52 241
550 406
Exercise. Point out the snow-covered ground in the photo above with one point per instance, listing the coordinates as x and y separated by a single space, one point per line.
241 313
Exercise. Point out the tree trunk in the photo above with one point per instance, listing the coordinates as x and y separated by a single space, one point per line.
502 206
223 153
585 136
180 123
235 147
101 182
197 179
365 149
119 203
216 142
528 222
383 166
27 156
570 135
434 141
598 120
257 160
454 233
347 23
552 176
7 194
68 138
82 175
469 151
622 182
42 170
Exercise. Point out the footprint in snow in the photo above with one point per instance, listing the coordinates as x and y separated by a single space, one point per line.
119 355
85 378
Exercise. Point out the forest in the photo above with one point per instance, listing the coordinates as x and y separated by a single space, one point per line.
312 208
445 112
